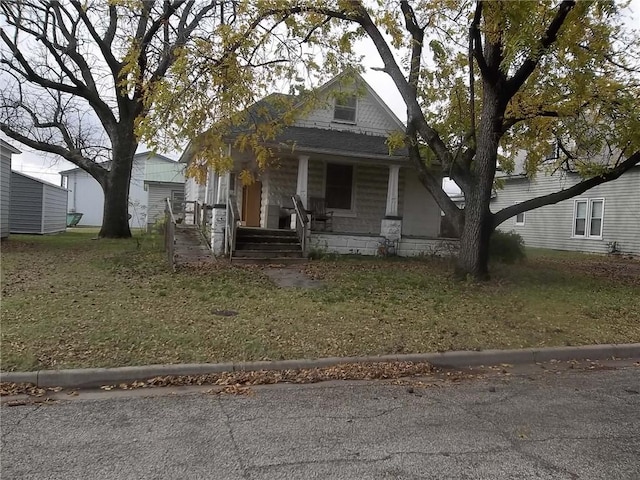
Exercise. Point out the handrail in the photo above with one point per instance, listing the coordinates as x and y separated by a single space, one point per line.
170 233
233 217
301 221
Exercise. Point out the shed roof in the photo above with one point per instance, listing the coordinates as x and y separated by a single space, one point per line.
34 179
164 172
8 146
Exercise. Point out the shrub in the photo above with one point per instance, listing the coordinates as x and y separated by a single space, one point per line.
506 247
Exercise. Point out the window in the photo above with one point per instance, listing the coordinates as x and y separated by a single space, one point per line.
339 186
345 109
519 217
588 217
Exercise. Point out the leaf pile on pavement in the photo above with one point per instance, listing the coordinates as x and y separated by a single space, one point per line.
11 388
348 371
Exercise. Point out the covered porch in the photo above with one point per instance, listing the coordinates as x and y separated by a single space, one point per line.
371 205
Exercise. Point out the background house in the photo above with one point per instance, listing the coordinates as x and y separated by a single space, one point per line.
6 150
37 206
152 176
604 219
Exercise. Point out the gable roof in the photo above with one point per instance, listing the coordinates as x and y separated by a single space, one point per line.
107 164
314 139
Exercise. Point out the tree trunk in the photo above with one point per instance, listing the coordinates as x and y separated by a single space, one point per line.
115 220
473 259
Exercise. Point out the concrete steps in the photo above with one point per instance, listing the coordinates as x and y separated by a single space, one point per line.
267 246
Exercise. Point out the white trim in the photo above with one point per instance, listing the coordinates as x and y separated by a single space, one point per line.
588 217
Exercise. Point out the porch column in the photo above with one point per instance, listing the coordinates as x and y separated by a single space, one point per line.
392 191
223 188
219 217
302 188
391 225
303 179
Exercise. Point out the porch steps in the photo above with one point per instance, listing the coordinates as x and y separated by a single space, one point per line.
267 246
189 246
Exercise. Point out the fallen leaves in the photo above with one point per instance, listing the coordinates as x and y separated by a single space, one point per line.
237 382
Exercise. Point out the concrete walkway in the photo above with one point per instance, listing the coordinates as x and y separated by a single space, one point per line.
535 424
290 277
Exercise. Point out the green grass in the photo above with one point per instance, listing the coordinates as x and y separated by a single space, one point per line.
73 301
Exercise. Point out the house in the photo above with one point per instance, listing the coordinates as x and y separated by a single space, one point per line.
153 178
336 159
6 150
604 219
37 207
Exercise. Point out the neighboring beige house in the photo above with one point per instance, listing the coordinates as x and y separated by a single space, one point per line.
335 157
604 219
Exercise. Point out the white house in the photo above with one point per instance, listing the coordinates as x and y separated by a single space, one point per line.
336 159
152 176
604 219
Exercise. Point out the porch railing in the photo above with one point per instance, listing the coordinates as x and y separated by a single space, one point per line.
170 233
301 221
233 217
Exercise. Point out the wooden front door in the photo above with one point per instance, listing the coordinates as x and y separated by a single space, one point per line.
251 195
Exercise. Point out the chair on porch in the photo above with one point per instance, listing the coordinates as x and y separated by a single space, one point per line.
320 217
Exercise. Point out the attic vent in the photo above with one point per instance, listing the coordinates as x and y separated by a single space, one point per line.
345 109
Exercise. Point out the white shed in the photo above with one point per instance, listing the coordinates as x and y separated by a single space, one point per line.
36 206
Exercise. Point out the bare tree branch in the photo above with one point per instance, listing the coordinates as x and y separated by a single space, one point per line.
577 189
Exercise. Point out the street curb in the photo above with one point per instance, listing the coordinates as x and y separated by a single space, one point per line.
96 377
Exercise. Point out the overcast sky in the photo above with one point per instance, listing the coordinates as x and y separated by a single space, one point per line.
47 166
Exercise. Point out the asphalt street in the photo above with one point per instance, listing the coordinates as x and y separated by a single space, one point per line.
575 424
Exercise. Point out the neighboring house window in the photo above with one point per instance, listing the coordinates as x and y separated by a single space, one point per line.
339 186
345 108
554 151
519 218
588 217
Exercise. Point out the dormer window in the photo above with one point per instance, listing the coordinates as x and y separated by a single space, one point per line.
345 109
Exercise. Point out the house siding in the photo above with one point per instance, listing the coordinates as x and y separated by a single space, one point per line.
193 191
26 205
551 226
5 189
158 193
55 209
370 116
421 213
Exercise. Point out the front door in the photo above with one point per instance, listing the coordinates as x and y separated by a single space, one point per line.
251 195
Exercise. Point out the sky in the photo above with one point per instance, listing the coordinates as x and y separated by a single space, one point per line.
47 166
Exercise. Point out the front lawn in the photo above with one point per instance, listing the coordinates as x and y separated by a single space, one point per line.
73 301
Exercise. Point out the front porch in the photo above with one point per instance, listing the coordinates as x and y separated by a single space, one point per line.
376 206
